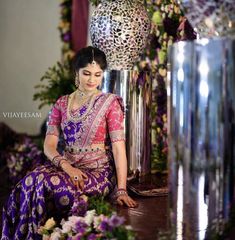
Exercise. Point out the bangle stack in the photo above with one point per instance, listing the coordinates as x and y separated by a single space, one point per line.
56 160
120 192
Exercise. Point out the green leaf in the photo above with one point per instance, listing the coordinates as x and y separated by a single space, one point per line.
60 81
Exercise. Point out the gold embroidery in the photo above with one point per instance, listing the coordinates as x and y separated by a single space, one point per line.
96 174
40 209
52 130
35 227
106 191
90 123
64 200
117 135
40 178
29 181
55 180
23 228
98 118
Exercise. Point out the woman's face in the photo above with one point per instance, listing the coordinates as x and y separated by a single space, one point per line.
90 77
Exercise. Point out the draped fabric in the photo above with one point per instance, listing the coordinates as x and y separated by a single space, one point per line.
48 191
80 15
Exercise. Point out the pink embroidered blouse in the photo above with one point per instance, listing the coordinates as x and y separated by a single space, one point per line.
100 121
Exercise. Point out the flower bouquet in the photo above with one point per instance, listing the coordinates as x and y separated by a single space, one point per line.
22 157
88 224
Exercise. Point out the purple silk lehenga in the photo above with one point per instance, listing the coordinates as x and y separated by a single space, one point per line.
48 191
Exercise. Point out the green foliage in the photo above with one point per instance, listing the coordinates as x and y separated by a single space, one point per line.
159 158
100 205
94 2
59 80
122 233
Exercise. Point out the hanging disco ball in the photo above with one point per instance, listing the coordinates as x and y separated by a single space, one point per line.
120 28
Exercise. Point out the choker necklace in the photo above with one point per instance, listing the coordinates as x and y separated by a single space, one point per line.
83 94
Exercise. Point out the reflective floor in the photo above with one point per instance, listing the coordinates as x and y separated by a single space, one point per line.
148 218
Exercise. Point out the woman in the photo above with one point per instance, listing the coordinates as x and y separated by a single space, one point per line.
93 163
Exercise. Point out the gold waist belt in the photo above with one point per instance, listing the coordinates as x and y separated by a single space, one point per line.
76 150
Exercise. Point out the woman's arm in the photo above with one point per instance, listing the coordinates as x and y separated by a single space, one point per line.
50 146
119 154
115 122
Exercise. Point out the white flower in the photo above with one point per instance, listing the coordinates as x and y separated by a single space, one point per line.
89 217
45 237
55 235
128 227
67 226
74 219
50 223
97 220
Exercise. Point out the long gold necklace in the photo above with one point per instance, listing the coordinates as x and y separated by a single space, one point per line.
83 98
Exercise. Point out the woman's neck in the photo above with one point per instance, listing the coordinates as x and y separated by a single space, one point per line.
84 94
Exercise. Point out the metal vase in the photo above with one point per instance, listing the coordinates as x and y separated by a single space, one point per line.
135 89
201 137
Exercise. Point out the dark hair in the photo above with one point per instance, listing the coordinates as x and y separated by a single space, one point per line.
85 56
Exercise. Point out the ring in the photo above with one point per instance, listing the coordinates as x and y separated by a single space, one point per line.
76 178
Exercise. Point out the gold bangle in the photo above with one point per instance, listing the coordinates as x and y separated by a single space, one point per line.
65 161
120 192
56 160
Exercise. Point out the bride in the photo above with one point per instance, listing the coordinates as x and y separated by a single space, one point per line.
92 163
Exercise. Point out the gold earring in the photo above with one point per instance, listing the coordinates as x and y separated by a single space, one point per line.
76 81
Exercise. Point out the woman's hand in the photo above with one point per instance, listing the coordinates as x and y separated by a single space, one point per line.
76 175
128 201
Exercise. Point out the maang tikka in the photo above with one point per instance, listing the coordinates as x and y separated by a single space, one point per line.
93 58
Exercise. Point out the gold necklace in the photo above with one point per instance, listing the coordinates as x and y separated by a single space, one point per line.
83 97
84 94
89 98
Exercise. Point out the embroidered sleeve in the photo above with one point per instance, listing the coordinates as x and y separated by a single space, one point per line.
54 120
115 120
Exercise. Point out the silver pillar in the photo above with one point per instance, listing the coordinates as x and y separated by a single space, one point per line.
135 89
201 137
